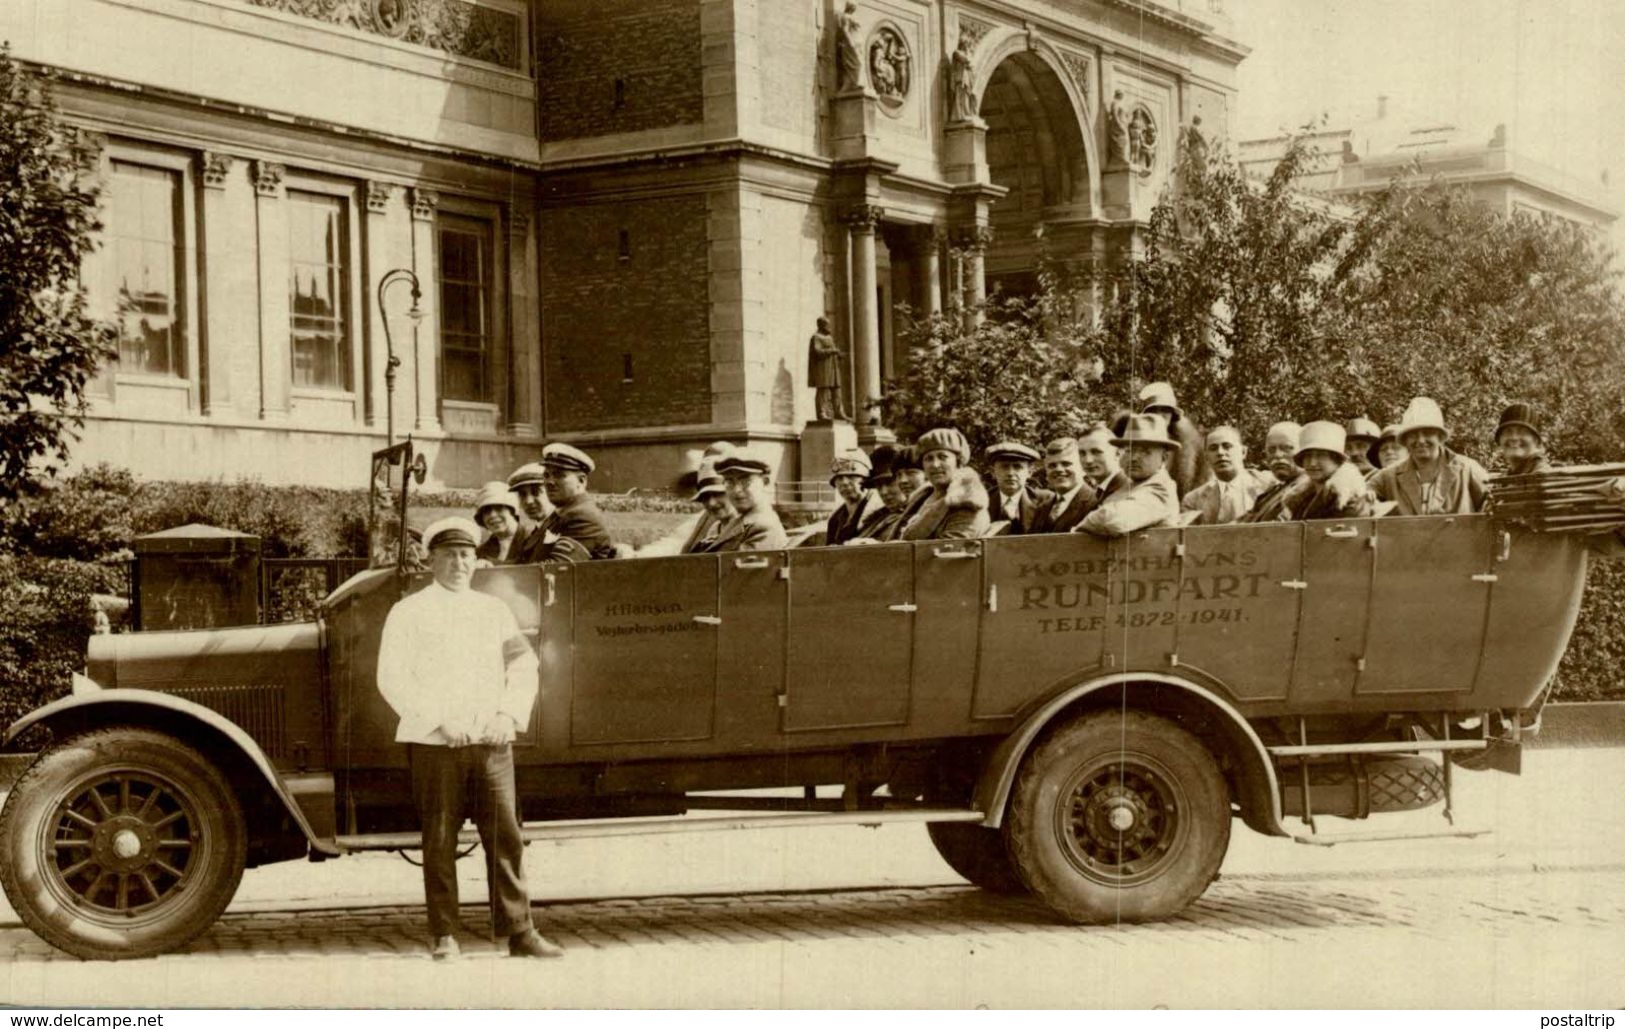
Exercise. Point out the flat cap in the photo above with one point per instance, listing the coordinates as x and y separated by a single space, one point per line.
742 462
1010 450
566 457
448 532
526 475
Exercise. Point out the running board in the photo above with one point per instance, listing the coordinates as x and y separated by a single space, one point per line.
584 829
1395 747
1377 836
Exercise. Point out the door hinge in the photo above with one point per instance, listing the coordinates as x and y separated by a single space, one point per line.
993 597
1487 577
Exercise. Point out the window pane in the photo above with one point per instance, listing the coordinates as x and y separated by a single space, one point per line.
144 237
465 309
318 277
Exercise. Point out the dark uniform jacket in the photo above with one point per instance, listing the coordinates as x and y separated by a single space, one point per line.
580 520
756 529
541 545
1032 504
845 523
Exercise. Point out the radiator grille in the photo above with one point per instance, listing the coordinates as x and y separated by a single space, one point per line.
256 708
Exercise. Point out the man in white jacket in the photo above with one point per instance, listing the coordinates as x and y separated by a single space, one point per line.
454 665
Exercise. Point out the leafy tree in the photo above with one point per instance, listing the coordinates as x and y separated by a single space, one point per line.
49 345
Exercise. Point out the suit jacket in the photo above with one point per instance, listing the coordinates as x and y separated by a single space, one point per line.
756 529
1271 505
1460 488
1119 480
540 545
1032 505
881 526
1217 509
1085 500
1143 505
1344 495
580 520
959 512
491 549
844 522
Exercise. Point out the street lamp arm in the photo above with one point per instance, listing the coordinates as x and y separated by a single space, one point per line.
415 312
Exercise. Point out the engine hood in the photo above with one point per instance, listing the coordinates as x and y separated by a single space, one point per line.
259 654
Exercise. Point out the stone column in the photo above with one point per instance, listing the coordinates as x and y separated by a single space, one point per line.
973 242
930 265
275 328
865 326
524 329
214 368
425 335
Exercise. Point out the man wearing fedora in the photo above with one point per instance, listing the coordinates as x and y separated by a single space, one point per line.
1363 436
1518 439
1335 489
1281 457
748 479
1186 465
496 510
1433 479
693 534
1150 499
575 516
953 504
1019 504
1075 495
847 474
454 665
1234 487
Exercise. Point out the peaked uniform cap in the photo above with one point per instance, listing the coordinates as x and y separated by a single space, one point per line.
1010 450
495 494
452 531
1523 415
1327 436
743 462
568 458
526 475
853 462
1146 430
951 440
1362 428
1160 395
1421 413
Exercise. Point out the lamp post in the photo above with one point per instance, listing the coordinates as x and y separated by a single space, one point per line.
416 314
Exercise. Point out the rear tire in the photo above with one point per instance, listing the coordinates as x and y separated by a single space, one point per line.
977 853
1119 817
121 843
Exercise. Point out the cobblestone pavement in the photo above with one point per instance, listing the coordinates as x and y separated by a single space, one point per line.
1467 939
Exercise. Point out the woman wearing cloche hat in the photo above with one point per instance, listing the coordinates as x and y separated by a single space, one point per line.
1518 438
496 510
1433 479
1335 489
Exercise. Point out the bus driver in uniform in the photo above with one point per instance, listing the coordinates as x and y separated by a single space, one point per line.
455 667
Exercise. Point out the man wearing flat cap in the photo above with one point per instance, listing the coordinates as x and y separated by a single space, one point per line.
575 516
748 480
1019 504
1151 499
457 670
1075 496
847 474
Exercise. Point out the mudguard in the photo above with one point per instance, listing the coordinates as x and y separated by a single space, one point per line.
998 778
104 705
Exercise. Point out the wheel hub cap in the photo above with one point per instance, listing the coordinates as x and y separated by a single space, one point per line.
1121 817
126 844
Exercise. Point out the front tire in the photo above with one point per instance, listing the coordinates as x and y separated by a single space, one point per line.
1119 817
121 843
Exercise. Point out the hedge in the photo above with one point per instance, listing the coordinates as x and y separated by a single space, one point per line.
45 619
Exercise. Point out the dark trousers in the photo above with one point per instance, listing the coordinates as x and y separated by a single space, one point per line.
450 783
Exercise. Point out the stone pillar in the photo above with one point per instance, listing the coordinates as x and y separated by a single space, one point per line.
930 266
276 362
865 326
425 355
973 242
965 151
524 329
214 367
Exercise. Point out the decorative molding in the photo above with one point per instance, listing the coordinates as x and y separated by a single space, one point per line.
456 27
863 217
518 224
216 166
1032 35
268 178
1079 67
378 196
973 237
973 29
424 202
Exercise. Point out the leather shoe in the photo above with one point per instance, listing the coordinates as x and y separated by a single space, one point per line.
532 944
445 948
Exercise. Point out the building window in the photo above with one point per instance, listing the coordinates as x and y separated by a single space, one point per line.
466 336
318 279
144 228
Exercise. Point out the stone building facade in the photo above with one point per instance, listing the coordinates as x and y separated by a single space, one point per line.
625 215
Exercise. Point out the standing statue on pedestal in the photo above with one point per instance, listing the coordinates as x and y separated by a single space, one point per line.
1117 131
962 82
848 51
824 373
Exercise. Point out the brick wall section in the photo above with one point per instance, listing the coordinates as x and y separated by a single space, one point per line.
654 48
596 308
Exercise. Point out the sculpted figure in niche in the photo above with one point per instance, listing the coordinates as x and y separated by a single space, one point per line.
1117 130
888 65
1196 142
848 52
962 82
1142 144
824 373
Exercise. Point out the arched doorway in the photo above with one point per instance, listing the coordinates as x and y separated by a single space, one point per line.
1035 150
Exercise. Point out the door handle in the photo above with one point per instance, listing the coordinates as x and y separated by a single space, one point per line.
1342 532
903 608
708 619
750 562
945 554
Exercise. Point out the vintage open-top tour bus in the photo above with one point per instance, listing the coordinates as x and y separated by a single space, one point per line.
1077 718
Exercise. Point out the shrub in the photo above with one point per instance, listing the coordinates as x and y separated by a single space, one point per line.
1591 668
45 619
